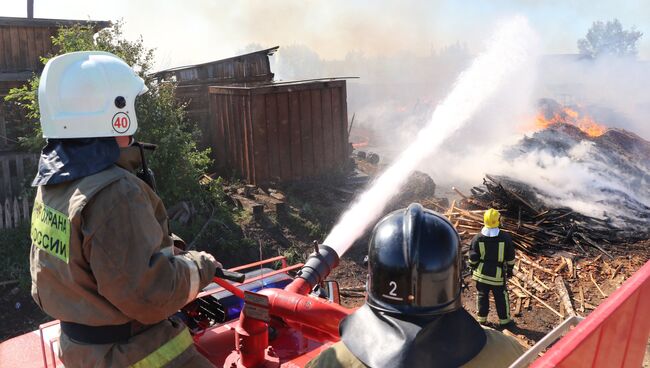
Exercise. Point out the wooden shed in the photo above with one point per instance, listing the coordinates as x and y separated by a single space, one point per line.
23 41
280 131
193 80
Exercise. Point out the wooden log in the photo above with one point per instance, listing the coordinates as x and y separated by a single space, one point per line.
565 298
459 192
517 311
531 283
561 266
518 293
591 276
541 283
530 262
536 298
581 308
570 266
615 271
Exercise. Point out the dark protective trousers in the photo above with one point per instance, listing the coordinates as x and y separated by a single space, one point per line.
500 300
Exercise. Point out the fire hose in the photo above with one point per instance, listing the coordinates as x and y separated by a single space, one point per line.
316 318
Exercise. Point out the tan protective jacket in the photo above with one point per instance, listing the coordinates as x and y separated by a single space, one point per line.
499 351
101 255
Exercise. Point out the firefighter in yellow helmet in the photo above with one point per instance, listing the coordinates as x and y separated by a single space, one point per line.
102 259
491 255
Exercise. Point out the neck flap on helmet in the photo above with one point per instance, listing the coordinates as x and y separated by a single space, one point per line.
448 340
64 160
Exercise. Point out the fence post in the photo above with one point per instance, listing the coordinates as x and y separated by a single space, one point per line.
3 130
25 209
7 214
16 213
6 176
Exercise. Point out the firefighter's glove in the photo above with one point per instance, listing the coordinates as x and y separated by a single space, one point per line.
206 264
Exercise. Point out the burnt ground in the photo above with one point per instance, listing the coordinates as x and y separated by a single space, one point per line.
313 209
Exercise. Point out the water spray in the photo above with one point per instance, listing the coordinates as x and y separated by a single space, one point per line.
509 49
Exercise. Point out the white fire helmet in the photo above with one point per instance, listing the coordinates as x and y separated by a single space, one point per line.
88 94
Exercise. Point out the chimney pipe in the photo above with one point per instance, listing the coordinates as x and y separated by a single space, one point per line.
30 9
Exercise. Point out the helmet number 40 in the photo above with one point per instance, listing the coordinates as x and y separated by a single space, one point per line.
121 122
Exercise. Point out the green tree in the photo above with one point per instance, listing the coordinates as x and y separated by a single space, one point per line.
609 38
177 162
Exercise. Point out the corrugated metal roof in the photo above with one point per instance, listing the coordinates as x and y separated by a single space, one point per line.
268 52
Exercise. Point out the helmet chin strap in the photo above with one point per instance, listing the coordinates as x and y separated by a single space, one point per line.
145 174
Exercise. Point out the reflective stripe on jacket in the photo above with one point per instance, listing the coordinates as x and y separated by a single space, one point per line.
488 255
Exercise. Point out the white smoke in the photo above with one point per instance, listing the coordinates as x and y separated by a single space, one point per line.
507 51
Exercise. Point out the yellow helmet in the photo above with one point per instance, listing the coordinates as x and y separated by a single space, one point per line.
491 218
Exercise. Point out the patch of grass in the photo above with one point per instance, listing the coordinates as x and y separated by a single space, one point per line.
14 255
300 225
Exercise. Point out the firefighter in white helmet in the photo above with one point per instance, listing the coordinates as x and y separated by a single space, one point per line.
103 260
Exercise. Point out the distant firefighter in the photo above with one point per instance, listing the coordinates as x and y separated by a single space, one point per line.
491 256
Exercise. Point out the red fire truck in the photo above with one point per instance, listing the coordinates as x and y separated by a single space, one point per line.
283 316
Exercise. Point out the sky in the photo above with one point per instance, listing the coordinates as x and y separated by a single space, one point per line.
194 31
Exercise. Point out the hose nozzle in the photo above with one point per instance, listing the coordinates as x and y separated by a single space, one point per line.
316 269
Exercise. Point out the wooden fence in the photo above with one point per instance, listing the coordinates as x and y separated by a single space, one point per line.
14 212
15 169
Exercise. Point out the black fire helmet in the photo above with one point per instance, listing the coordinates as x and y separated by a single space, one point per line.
414 264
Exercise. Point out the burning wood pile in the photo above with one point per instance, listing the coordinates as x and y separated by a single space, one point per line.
534 227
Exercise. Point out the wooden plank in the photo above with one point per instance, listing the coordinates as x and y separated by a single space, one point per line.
306 140
220 135
295 136
328 128
15 49
6 176
337 125
8 222
216 130
23 48
5 48
259 138
284 135
317 130
31 48
238 143
230 134
40 43
272 137
3 130
16 212
248 138
226 131
344 124
26 213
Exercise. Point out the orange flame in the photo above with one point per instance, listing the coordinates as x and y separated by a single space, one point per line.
569 116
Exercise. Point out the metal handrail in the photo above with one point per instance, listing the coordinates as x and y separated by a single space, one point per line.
541 345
